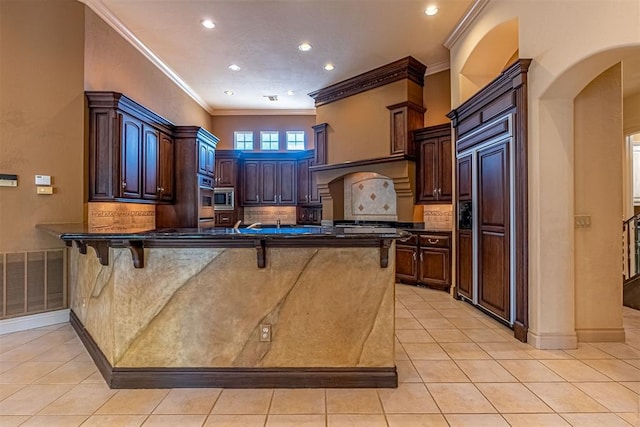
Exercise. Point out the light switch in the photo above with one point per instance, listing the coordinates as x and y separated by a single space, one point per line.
44 190
8 180
43 179
583 221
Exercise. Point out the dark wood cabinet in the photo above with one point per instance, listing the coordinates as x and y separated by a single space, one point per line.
268 181
225 219
434 168
464 266
307 182
425 259
226 169
206 158
130 151
464 178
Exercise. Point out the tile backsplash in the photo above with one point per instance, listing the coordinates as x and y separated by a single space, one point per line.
122 217
438 217
270 215
369 196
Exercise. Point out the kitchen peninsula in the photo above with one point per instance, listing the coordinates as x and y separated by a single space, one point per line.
275 307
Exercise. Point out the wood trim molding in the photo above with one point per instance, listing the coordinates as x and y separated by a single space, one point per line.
469 17
366 162
405 68
131 378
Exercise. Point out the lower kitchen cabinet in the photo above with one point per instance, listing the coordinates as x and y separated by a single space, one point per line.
425 259
225 219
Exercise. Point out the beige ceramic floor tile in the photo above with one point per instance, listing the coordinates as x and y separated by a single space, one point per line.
512 398
247 402
419 420
348 420
403 313
476 420
399 353
633 386
617 370
618 350
483 335
468 322
448 335
28 372
9 389
595 420
564 397
436 323
114 420
454 313
133 402
425 351
298 401
407 324
574 370
482 371
83 399
407 372
235 421
616 397
632 418
465 351
30 399
535 420
188 401
413 336
426 314
633 362
12 420
54 421
440 371
70 373
548 354
587 351
5 366
353 401
62 353
175 420
530 371
295 421
506 350
23 352
408 398
95 378
460 398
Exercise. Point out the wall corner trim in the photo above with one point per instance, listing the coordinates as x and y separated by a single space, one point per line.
465 22
553 341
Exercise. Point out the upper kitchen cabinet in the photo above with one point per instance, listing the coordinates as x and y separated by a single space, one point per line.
226 168
131 151
307 183
434 168
206 158
269 180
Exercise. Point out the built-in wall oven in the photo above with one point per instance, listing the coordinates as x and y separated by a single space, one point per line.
205 202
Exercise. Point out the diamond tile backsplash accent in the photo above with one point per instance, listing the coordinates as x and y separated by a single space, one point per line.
369 196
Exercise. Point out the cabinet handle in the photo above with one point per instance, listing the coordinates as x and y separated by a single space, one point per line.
435 192
414 256
439 192
124 184
257 198
433 242
421 256
158 189
280 198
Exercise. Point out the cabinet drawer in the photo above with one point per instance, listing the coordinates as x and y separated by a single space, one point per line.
413 241
435 241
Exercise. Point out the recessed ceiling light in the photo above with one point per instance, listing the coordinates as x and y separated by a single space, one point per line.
208 23
304 47
329 67
290 93
431 10
228 92
234 67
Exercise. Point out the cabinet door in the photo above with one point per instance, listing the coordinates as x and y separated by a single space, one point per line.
167 167
268 182
445 167
225 172
150 171
209 165
406 262
287 182
131 158
224 219
303 181
464 264
314 193
434 266
463 180
202 157
251 183
427 171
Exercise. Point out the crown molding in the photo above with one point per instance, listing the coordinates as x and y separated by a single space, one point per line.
437 67
108 16
261 112
467 19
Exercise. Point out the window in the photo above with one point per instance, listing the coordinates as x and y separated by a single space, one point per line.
295 140
243 140
269 140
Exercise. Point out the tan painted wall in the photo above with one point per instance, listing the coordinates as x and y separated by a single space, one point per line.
112 64
437 98
359 126
598 156
41 113
224 126
631 105
567 54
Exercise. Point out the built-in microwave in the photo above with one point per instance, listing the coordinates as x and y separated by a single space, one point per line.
224 198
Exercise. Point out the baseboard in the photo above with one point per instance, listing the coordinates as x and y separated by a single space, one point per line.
33 321
601 335
234 377
552 341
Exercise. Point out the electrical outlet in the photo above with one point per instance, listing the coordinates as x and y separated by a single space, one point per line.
583 221
265 332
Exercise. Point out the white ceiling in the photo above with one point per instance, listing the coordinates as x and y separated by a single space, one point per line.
262 37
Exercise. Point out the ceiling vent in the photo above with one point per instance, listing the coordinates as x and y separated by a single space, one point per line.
271 97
